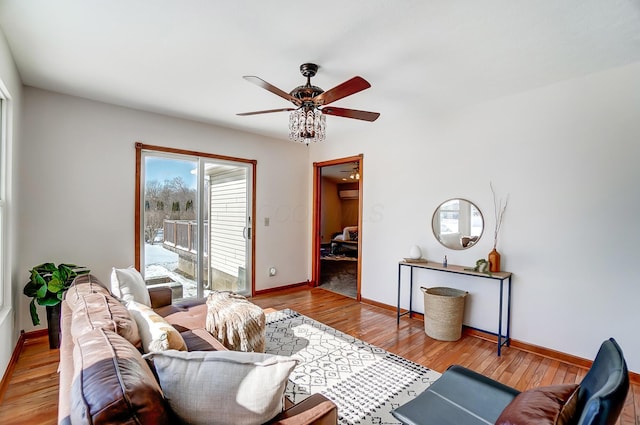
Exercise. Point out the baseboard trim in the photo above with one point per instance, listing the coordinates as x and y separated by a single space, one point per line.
282 288
378 304
520 345
12 365
39 333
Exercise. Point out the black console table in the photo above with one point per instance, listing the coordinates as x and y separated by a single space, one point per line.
503 339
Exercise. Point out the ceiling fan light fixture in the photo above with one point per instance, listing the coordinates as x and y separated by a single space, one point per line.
307 124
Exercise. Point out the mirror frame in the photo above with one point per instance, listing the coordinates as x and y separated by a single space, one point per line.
438 235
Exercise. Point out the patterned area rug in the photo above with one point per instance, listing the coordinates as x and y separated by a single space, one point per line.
365 381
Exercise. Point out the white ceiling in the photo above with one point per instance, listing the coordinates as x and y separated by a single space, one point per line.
186 58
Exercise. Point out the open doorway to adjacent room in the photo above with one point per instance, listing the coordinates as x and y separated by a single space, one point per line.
338 225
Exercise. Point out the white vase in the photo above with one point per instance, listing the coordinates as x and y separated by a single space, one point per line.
415 253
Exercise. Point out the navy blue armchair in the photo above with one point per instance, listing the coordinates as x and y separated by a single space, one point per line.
463 397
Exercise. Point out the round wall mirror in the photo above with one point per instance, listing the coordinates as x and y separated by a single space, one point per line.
457 224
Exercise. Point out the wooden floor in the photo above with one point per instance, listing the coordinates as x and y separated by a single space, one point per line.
32 394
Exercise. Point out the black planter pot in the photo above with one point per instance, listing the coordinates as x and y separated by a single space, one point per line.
53 323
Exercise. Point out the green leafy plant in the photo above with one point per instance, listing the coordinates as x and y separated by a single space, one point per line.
48 284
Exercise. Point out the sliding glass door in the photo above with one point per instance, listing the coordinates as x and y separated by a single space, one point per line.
227 195
195 223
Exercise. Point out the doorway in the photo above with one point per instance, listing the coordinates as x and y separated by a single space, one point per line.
337 225
194 221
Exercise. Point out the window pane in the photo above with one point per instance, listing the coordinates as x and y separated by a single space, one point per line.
170 231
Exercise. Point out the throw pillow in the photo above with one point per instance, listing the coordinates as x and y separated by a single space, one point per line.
112 384
223 387
554 404
128 285
155 332
97 310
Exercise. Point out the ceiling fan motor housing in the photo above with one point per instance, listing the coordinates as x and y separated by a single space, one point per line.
307 92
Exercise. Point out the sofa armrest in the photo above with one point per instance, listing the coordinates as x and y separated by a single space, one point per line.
316 410
160 296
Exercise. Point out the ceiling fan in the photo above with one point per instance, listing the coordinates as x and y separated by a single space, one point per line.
354 174
307 120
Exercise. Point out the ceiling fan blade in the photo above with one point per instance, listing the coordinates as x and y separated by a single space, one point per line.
268 111
273 89
351 113
349 87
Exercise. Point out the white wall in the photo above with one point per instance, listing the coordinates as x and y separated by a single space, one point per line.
77 178
567 156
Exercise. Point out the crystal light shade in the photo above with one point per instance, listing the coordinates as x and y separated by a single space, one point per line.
307 124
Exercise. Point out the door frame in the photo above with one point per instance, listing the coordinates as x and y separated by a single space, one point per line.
138 204
317 215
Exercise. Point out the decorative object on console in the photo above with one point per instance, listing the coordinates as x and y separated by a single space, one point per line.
494 261
498 208
415 253
482 266
46 286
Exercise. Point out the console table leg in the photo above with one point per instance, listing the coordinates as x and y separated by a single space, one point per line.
399 280
500 319
410 292
509 312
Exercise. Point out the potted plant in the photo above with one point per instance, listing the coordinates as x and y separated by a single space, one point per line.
47 286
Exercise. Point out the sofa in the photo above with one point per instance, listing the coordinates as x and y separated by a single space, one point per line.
113 369
463 397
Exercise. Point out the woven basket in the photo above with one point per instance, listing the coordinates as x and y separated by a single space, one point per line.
443 311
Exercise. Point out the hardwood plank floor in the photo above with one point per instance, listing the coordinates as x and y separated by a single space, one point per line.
32 393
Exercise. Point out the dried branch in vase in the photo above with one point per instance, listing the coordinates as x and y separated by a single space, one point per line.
499 210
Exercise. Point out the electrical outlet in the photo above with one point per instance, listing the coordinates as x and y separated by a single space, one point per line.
266 221
272 271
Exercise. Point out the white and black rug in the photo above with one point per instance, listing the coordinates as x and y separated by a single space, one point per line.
365 381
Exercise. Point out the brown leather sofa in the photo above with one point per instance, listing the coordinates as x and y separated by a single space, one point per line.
103 378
